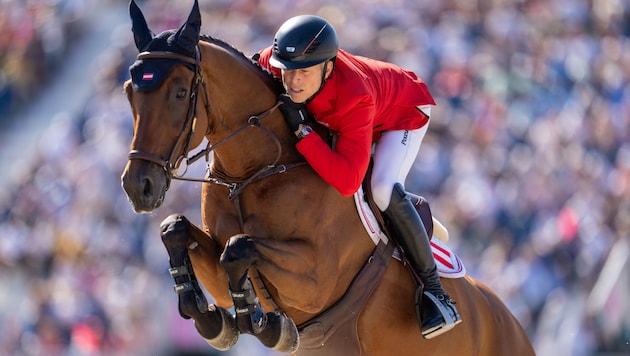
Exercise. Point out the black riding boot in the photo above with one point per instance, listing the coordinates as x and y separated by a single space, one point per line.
436 312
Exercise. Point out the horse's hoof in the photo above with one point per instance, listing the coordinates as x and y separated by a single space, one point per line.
289 337
228 335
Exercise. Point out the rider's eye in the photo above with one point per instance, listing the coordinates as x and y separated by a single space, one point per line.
181 93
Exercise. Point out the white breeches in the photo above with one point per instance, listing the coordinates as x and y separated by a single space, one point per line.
394 154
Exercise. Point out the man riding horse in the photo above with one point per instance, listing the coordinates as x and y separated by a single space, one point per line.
365 102
301 279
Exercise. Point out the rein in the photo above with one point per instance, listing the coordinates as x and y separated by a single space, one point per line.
172 164
236 187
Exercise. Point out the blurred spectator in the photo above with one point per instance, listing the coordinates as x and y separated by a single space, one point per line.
527 162
34 37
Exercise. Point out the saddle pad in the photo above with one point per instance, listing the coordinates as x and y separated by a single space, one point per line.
448 263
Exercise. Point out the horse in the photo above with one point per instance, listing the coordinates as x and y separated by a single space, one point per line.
277 244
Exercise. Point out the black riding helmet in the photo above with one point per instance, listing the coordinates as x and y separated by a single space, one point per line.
304 41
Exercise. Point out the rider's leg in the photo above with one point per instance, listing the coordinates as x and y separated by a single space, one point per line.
393 157
437 313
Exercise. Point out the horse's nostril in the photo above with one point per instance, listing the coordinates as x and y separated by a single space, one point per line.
148 187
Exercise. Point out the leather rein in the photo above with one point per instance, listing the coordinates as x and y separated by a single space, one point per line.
172 164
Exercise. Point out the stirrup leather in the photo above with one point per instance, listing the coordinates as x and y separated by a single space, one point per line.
449 314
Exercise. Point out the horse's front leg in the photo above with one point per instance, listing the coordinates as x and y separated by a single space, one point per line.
274 329
183 240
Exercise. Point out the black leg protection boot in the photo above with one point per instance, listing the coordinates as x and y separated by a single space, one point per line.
436 312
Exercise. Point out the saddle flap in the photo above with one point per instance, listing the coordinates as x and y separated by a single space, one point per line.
449 265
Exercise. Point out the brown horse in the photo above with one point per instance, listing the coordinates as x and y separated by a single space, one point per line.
278 244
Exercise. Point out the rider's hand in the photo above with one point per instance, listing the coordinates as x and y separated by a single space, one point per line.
294 113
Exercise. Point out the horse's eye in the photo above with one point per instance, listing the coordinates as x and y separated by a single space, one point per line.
181 93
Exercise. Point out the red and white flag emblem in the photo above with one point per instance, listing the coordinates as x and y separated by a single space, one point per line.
147 76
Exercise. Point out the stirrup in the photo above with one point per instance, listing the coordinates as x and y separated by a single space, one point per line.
449 314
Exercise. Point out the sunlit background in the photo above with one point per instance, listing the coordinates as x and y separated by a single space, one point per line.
527 162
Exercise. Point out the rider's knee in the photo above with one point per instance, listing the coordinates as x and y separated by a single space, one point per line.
382 193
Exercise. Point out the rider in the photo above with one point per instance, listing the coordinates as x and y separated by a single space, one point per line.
364 101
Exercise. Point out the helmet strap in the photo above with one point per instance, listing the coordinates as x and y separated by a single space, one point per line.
323 80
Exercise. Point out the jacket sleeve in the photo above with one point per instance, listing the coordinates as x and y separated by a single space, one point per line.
263 60
344 167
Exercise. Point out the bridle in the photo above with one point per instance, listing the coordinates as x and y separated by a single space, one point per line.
172 163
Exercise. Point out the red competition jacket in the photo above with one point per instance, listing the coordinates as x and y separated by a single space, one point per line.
361 99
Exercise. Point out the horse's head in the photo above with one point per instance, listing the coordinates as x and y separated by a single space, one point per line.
169 117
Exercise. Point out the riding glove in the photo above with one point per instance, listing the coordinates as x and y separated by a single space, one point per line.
294 113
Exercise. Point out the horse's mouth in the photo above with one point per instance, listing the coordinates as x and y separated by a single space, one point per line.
145 192
143 207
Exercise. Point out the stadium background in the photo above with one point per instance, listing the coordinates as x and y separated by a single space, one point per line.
527 162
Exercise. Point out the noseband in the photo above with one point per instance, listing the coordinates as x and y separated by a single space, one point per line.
172 164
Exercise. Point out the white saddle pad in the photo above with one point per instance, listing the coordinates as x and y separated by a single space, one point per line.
448 263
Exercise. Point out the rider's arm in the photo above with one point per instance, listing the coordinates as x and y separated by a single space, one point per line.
344 167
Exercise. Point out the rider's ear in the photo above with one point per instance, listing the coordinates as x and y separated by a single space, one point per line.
329 68
142 35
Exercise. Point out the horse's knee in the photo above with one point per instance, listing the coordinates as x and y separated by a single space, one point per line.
175 230
239 249
237 257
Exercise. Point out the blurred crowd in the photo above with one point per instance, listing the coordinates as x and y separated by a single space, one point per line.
527 163
34 38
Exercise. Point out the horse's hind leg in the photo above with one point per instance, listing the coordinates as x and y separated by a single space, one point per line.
214 324
274 329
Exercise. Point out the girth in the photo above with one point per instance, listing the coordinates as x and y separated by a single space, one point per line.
334 332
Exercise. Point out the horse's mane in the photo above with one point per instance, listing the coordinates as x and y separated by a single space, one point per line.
273 82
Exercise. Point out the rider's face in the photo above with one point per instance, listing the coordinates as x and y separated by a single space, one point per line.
303 83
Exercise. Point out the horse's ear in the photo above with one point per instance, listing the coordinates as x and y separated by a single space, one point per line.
188 35
142 35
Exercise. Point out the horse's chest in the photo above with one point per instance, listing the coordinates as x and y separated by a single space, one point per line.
267 208
225 221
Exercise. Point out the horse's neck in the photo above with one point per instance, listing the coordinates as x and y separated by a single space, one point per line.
242 151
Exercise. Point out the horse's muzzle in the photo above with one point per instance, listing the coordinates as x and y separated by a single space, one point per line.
145 184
